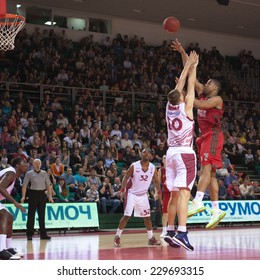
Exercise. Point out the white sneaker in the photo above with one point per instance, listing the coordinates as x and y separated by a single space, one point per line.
14 257
14 252
163 234
216 216
195 207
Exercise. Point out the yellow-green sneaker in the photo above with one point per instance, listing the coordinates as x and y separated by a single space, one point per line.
195 207
216 216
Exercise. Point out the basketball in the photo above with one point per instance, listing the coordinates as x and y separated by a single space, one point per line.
171 24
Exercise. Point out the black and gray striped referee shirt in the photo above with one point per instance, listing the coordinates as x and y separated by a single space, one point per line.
39 180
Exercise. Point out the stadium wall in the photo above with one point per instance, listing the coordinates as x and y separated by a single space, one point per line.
154 34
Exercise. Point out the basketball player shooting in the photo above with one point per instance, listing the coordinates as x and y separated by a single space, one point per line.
210 144
180 157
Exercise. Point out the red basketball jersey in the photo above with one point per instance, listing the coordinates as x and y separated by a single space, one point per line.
209 119
163 180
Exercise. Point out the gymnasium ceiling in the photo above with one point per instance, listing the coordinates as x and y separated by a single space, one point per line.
240 18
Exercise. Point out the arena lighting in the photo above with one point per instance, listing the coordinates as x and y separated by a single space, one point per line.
49 23
223 2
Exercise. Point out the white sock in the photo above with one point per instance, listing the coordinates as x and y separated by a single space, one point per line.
119 232
150 234
9 243
2 242
182 228
199 196
214 204
164 229
170 228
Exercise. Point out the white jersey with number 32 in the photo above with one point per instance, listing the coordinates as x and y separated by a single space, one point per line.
141 180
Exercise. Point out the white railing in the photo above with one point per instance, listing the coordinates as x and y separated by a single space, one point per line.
69 95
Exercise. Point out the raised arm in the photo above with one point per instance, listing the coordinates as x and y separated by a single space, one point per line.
190 96
177 46
199 87
182 80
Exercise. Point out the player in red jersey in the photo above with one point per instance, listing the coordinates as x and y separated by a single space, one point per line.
210 111
165 197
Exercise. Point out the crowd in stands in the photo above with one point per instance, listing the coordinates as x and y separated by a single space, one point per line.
87 151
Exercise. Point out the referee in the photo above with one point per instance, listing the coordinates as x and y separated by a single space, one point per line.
39 182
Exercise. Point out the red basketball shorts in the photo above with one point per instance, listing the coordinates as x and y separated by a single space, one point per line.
209 148
166 198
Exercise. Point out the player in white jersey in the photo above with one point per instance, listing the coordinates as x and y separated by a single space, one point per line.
135 185
180 156
7 180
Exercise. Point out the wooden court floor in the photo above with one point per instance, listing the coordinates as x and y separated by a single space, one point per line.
229 243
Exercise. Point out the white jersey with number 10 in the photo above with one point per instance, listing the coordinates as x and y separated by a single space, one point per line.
180 127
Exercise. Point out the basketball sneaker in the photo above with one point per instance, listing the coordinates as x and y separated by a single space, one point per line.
181 238
5 255
169 239
153 241
216 216
195 207
14 252
117 241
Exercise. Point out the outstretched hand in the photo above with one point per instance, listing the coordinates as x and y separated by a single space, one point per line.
193 58
196 61
176 46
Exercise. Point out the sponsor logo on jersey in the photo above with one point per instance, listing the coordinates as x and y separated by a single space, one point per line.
202 113
176 113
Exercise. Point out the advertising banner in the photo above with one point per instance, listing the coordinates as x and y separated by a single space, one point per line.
60 215
237 211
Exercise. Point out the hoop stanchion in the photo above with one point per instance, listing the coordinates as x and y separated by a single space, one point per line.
10 25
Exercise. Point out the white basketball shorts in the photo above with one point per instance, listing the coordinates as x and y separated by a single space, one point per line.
137 203
180 168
